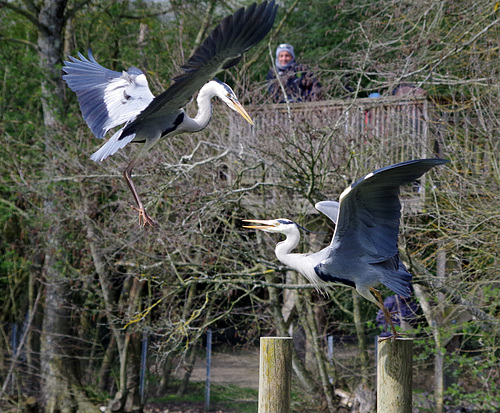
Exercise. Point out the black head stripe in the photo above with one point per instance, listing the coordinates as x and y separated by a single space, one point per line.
309 231
226 87
288 222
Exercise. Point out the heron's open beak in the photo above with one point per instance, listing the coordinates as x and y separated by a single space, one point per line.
264 224
241 110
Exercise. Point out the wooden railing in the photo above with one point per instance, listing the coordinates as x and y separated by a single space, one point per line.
400 125
363 134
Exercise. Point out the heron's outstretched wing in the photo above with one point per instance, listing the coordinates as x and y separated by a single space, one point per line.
329 208
222 49
369 211
107 98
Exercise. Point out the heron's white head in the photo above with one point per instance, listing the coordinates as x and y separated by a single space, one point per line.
281 226
226 94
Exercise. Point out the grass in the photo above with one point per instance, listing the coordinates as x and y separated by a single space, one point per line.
227 397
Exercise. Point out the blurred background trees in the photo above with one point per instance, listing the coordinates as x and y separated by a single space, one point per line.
83 286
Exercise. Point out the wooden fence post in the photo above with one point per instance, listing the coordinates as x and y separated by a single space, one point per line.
394 376
275 374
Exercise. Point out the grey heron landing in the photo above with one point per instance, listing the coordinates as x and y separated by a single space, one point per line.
364 248
109 99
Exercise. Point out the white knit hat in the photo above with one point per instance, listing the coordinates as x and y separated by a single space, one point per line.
284 47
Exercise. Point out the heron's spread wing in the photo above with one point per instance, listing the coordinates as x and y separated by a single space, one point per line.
368 221
222 49
329 208
107 98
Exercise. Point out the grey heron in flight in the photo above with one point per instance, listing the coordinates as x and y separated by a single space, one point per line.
364 248
109 99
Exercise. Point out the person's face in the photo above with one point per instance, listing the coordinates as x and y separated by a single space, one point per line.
284 58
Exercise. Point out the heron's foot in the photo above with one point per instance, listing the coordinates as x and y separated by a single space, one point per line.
392 336
144 219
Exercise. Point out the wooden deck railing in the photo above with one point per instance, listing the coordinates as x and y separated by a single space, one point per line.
363 134
393 123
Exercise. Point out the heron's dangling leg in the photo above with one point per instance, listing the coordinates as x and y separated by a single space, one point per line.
387 314
144 218
367 293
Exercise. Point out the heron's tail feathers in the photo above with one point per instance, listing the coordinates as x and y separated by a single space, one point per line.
115 143
398 280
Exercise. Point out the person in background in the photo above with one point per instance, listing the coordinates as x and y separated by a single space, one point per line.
407 90
299 82
403 310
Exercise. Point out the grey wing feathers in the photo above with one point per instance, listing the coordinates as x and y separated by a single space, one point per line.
107 98
370 208
223 48
329 208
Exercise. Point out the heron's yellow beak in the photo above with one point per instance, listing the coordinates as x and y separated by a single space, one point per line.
241 110
263 224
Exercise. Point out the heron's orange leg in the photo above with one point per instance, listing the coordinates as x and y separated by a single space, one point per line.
144 219
387 315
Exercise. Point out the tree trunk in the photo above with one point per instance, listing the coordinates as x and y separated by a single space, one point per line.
306 311
166 373
191 352
306 381
188 367
127 397
59 384
107 364
434 321
440 348
61 391
33 338
133 369
360 332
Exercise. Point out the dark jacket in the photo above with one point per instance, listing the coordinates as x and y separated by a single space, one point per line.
299 83
405 308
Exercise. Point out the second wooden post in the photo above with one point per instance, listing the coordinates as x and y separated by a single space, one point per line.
275 374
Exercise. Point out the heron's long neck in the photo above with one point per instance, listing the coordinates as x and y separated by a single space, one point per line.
202 118
299 262
283 250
